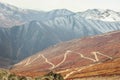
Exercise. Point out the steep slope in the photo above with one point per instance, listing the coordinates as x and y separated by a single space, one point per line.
76 58
19 42
11 15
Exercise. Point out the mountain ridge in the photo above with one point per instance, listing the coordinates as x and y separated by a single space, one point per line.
10 14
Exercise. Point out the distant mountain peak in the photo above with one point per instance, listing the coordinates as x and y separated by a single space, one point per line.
101 14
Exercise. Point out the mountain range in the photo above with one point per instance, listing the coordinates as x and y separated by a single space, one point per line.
29 31
11 16
91 56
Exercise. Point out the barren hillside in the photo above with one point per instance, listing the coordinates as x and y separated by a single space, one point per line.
90 56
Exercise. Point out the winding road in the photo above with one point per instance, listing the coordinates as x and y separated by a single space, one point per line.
53 66
47 61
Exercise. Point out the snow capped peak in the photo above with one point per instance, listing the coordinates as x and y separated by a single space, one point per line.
99 14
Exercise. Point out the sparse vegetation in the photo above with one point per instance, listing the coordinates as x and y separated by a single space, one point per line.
54 76
6 75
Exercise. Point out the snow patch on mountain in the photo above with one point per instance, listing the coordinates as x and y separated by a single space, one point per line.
99 14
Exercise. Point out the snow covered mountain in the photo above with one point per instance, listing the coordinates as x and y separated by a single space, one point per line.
11 15
98 14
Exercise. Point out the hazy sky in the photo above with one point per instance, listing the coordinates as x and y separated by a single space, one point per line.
73 5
